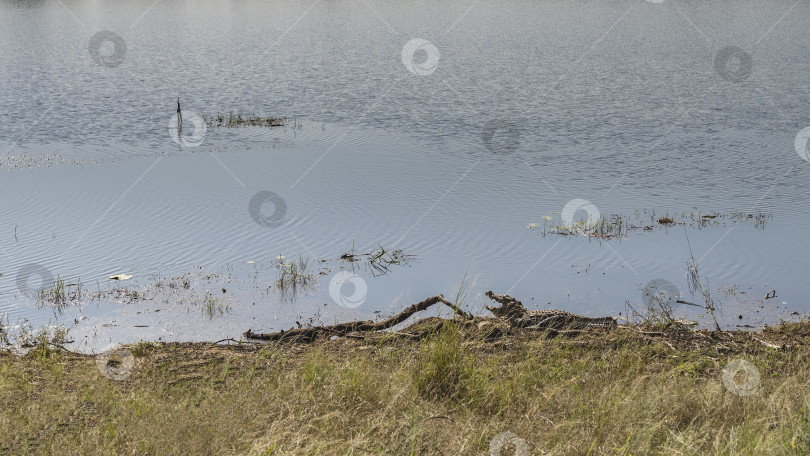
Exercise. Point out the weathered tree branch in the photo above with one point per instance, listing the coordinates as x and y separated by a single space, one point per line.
342 329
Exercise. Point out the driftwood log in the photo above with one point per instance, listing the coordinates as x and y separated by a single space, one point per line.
342 329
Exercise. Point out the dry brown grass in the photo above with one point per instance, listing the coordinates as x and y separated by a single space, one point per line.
623 392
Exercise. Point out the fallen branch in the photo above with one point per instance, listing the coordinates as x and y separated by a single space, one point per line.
343 329
768 344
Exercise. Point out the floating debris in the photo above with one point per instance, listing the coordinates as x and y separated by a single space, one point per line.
120 277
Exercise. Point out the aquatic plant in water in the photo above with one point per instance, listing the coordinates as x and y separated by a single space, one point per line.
378 260
61 294
292 274
618 226
237 120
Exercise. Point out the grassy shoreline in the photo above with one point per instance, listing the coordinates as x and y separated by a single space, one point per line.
629 391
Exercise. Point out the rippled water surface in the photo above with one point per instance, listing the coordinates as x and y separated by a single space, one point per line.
442 129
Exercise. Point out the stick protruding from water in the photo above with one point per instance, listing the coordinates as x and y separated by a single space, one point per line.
179 116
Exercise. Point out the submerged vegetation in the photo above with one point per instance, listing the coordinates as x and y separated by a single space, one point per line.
213 306
379 260
293 274
661 299
191 289
237 120
619 226
182 289
60 294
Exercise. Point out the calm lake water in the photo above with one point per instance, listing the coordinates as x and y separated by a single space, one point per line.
442 129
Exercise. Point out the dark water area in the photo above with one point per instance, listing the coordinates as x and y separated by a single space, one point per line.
446 130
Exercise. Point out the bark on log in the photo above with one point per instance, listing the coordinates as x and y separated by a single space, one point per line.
342 329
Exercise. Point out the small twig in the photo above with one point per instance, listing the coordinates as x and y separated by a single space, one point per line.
651 333
60 346
549 421
225 340
400 333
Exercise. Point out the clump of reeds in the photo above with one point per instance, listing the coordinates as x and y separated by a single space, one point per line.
605 227
617 226
660 309
756 217
238 120
293 274
696 285
60 294
213 306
